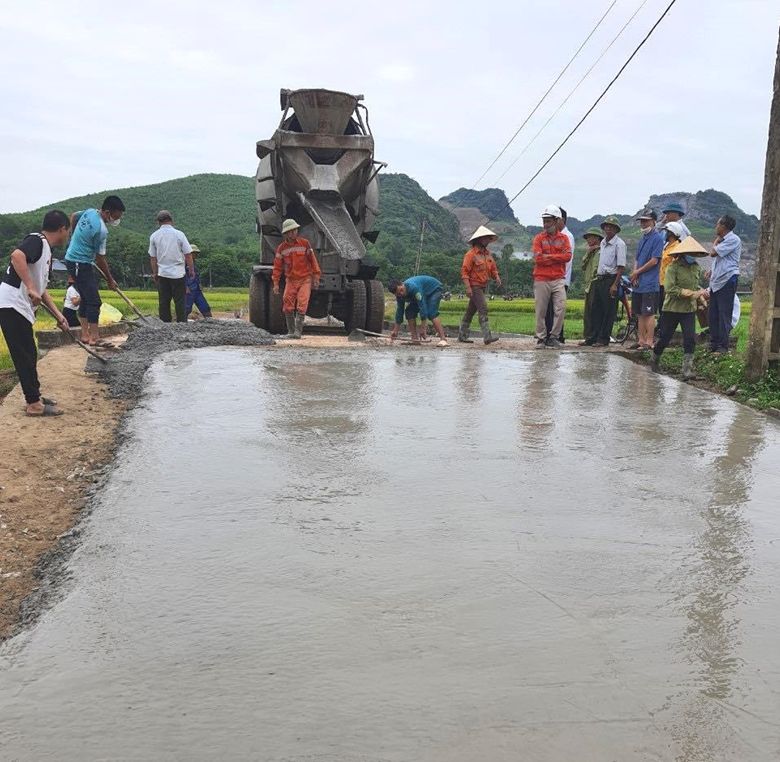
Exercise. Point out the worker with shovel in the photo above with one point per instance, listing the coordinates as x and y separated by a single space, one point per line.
22 289
478 269
295 257
423 294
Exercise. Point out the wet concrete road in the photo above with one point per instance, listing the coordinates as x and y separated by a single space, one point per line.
396 556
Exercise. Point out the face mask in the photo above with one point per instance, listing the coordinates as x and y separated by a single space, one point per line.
689 259
114 223
649 229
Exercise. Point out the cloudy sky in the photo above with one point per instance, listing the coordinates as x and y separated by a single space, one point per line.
98 96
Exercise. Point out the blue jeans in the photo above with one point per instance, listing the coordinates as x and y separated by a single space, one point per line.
720 312
195 296
431 301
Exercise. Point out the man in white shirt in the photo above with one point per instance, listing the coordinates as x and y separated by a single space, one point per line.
548 318
612 263
171 257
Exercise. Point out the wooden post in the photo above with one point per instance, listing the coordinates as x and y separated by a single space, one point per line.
764 341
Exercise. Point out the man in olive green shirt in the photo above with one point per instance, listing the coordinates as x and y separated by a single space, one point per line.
681 292
590 265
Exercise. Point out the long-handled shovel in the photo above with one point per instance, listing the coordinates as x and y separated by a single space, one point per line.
78 341
126 300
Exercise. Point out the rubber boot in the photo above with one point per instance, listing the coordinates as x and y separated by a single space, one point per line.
464 331
299 325
687 369
655 363
486 334
290 318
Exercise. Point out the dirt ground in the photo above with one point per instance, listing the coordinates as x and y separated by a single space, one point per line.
46 465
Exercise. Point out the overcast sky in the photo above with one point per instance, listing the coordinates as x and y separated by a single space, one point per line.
98 95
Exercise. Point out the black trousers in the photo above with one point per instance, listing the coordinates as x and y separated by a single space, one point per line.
602 310
87 286
72 316
720 312
548 320
167 289
667 325
18 334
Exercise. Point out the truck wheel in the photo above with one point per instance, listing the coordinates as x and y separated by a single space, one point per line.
258 302
356 306
276 322
375 315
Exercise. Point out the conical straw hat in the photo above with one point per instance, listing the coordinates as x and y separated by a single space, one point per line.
482 232
692 247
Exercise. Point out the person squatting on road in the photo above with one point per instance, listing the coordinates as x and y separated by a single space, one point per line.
726 253
194 295
86 250
22 289
170 255
551 250
423 294
645 279
295 256
477 270
612 262
682 291
590 264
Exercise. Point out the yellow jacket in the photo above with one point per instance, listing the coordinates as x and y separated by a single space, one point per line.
666 259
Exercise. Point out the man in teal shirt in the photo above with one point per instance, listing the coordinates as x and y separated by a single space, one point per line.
418 295
87 248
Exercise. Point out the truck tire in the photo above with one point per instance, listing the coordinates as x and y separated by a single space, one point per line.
276 322
375 314
356 306
258 302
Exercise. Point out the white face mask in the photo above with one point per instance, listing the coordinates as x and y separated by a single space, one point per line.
649 229
115 223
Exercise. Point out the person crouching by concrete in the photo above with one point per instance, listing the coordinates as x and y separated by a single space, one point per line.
170 254
612 262
418 296
590 264
478 269
681 294
295 257
194 293
70 307
22 289
551 250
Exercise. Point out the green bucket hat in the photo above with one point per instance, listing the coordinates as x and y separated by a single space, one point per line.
593 231
611 220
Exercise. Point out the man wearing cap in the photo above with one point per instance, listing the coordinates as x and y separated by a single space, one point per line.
548 318
612 263
590 264
194 294
645 278
551 251
295 256
170 255
477 270
418 296
726 254
674 212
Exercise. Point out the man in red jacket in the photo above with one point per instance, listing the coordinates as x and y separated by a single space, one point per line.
551 250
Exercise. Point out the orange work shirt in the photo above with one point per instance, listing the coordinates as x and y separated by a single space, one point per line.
551 253
297 259
478 267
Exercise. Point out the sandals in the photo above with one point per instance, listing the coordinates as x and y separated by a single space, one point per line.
48 410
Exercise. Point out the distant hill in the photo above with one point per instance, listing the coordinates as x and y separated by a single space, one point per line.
492 202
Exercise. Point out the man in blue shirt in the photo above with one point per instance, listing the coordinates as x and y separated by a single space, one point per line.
418 295
644 278
86 250
726 253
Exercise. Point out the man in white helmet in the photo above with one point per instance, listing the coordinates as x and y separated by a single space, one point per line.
552 250
295 257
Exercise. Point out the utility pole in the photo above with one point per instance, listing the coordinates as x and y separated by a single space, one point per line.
419 252
764 341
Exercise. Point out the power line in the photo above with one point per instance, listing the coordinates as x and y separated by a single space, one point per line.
588 112
541 100
576 87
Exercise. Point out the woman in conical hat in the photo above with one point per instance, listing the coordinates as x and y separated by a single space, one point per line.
477 270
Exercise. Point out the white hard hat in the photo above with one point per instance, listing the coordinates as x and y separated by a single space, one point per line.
482 232
552 211
676 229
289 225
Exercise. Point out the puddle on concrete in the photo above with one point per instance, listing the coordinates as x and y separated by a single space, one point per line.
393 556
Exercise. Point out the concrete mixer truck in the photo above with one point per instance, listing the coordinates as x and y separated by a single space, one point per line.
319 169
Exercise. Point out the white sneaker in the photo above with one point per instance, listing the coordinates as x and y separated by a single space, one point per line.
442 343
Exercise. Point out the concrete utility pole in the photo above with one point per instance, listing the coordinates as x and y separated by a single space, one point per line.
764 342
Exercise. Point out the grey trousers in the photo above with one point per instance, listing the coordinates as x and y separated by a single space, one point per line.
546 291
477 303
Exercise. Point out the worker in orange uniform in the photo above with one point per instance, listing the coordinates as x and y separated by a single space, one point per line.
478 269
296 257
